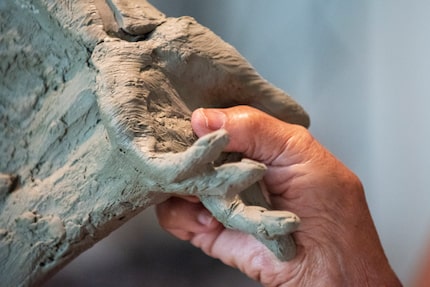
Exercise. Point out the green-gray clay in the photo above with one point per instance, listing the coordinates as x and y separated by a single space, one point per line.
95 104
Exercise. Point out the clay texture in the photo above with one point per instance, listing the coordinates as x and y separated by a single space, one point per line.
95 104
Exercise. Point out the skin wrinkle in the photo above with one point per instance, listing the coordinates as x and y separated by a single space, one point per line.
280 171
255 260
312 263
219 244
207 245
278 274
292 192
292 276
205 217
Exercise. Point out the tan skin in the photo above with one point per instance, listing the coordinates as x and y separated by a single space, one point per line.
337 241
423 275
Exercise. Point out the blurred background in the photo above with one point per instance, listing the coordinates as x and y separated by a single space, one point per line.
362 71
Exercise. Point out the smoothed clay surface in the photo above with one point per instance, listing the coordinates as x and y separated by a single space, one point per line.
95 104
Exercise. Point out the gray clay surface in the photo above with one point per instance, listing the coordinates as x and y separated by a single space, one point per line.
95 104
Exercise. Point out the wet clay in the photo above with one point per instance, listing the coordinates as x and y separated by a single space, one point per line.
95 105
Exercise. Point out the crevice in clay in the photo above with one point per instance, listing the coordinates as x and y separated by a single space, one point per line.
115 25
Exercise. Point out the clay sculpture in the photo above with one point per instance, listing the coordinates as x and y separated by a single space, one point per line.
95 105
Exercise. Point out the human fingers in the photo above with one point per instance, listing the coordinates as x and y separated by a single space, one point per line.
192 222
289 151
189 198
253 133
184 218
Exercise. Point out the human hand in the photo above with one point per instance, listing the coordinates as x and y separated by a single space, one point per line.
337 243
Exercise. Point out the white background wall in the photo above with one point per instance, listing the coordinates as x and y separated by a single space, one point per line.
400 128
362 70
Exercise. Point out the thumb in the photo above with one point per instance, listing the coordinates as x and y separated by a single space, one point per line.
253 133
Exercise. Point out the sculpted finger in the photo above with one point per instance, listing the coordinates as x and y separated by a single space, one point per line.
203 152
184 219
229 178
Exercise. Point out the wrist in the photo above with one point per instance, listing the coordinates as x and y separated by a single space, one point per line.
359 251
362 258
347 251
349 268
368 270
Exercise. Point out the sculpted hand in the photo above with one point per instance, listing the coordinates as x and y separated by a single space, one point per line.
337 243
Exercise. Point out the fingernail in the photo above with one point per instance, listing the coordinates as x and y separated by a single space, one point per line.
205 218
214 119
